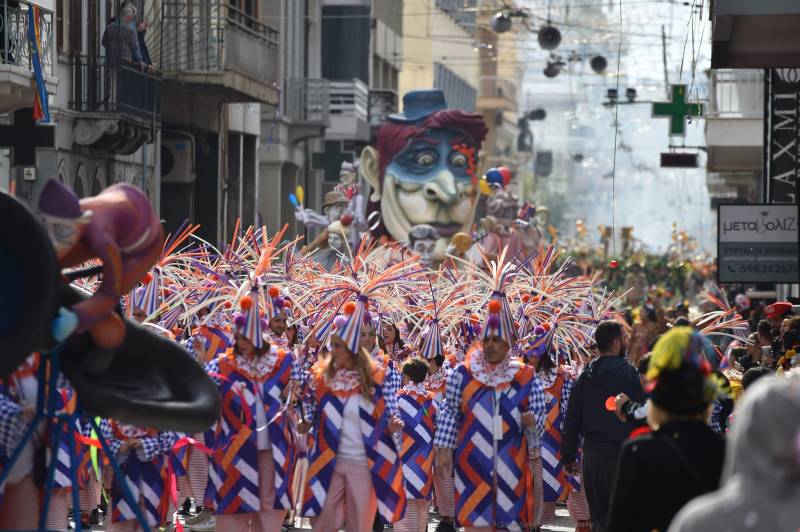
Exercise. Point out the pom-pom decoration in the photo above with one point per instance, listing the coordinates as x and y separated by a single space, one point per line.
239 320
494 306
227 304
526 298
349 308
493 322
148 277
539 330
339 322
246 303
274 291
279 303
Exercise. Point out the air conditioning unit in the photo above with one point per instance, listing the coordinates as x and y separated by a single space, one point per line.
177 158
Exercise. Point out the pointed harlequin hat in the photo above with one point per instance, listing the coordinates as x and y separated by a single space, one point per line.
275 303
432 346
248 322
150 300
498 312
348 325
540 343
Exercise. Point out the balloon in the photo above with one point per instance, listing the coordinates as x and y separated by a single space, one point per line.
507 175
300 193
293 199
494 177
486 190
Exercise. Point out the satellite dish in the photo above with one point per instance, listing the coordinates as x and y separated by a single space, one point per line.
551 70
549 37
599 64
501 22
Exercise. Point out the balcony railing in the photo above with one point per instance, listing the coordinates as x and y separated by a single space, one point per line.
350 99
210 36
102 86
16 49
307 100
737 94
494 87
349 108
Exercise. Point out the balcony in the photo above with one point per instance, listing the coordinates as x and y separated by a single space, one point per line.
496 94
119 104
211 46
755 34
16 67
735 121
381 103
307 108
349 110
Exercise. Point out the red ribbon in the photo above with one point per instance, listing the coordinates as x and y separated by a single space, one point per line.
172 482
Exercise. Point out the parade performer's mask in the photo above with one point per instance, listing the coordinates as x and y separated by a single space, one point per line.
424 171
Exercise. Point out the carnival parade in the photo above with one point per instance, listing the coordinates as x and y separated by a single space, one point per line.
406 330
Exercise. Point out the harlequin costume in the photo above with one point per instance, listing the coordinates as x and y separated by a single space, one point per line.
19 390
481 421
418 411
253 454
144 470
380 466
354 456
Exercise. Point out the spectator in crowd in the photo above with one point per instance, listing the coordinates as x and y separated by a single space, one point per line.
752 375
682 458
588 416
775 314
761 476
120 39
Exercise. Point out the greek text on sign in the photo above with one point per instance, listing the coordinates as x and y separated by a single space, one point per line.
758 243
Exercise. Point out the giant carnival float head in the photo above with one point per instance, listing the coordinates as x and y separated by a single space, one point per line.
118 368
424 169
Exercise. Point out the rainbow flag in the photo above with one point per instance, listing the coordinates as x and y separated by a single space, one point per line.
41 111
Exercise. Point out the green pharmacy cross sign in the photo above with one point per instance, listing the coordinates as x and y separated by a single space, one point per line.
677 110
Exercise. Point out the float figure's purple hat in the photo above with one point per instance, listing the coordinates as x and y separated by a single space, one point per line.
56 199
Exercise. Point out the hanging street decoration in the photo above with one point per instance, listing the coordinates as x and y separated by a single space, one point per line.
677 110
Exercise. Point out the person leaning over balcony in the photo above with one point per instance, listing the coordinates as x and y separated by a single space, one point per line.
120 40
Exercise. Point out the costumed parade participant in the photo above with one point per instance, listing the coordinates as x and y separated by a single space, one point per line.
253 457
490 400
553 482
354 417
418 411
21 503
142 454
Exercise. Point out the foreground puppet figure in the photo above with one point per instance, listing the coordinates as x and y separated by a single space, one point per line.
119 227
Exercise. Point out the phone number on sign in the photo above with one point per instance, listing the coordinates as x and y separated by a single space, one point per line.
765 268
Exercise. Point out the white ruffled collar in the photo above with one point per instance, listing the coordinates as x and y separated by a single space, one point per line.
258 367
485 373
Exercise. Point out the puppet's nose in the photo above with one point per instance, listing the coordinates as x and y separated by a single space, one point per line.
442 188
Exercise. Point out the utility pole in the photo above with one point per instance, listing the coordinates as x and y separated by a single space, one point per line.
664 58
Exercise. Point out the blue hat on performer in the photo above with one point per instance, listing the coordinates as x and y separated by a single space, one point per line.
420 104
